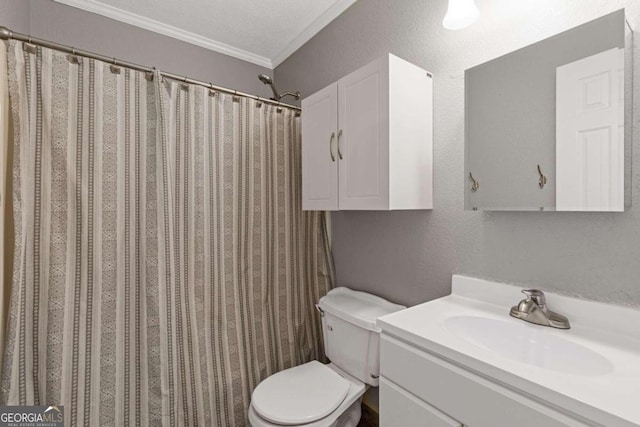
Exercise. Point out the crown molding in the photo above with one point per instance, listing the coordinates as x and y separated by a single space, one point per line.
167 30
298 41
314 28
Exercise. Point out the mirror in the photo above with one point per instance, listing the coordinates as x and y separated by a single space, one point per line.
545 125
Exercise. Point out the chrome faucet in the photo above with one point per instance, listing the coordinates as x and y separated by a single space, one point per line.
534 309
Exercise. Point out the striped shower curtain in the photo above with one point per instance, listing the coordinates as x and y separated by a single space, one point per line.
163 265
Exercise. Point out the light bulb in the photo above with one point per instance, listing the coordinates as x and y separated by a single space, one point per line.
460 14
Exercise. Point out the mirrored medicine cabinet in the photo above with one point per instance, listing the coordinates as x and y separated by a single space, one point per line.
548 127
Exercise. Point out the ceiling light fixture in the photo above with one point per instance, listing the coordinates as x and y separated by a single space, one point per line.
460 14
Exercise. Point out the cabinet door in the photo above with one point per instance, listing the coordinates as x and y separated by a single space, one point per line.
319 150
400 408
462 394
363 137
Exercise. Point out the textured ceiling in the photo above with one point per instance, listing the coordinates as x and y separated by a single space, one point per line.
261 31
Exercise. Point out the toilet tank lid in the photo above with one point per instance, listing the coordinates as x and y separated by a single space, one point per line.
359 308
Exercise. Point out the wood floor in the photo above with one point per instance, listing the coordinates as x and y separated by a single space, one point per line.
369 418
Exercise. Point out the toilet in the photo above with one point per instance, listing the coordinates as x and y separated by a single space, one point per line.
319 395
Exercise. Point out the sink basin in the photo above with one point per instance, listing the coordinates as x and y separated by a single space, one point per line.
590 372
530 344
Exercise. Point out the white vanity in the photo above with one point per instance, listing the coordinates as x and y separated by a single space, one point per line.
463 361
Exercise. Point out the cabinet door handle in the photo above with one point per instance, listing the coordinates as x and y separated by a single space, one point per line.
333 136
339 139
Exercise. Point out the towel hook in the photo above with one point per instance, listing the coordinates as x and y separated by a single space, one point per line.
542 181
475 185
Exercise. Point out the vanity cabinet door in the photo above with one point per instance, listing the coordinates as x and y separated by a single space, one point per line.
400 408
320 150
474 400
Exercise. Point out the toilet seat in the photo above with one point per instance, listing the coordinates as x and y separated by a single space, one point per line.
300 395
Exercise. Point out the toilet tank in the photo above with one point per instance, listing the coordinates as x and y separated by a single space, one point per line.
351 337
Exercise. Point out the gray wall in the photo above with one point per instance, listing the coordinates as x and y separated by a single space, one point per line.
15 15
409 257
64 24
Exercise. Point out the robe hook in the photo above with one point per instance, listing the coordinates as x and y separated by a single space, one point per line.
542 181
475 185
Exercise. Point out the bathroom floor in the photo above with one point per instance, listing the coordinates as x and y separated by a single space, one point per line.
369 418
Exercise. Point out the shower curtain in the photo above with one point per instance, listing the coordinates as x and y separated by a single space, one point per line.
163 266
6 238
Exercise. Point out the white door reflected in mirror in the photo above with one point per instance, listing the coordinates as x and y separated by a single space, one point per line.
590 133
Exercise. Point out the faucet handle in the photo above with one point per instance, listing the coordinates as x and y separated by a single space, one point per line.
536 296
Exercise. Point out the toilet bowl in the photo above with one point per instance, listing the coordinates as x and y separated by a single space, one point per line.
318 395
310 395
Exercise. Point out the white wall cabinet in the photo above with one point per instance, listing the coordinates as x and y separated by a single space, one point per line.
319 157
367 140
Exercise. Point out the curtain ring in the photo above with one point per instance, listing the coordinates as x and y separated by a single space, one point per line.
30 38
73 51
115 61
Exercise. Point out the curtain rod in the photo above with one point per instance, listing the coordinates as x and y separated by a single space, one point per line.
6 34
